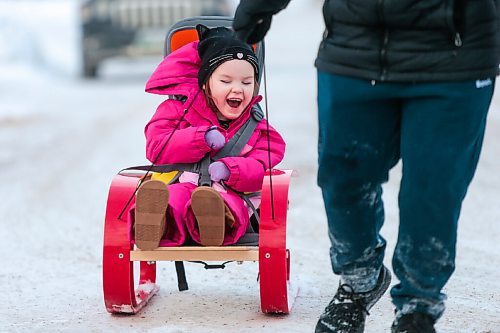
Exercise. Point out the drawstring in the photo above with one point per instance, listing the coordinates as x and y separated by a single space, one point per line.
346 292
158 155
268 144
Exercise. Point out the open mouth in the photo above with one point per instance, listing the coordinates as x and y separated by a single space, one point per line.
234 102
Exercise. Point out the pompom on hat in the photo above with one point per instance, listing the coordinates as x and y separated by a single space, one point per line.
218 45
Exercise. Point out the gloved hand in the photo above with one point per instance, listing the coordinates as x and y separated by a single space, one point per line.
218 171
214 138
251 29
253 18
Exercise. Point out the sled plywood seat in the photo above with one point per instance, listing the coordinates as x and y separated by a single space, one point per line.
197 253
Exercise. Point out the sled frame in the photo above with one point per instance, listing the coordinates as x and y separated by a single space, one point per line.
122 295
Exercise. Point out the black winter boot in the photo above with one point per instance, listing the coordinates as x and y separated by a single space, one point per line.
413 323
347 311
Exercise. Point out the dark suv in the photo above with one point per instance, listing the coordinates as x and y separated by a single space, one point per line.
135 27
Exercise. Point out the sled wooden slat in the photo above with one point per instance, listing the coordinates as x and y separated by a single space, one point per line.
196 253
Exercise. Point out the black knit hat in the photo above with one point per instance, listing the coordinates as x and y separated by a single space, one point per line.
218 45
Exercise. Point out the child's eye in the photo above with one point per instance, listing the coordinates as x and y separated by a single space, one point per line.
225 81
247 83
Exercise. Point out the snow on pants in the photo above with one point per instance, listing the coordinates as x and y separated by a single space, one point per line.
437 130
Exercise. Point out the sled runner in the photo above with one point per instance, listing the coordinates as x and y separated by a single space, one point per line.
265 243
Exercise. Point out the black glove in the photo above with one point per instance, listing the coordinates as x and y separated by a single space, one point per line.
253 18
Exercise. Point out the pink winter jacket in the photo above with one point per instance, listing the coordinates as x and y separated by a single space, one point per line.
177 75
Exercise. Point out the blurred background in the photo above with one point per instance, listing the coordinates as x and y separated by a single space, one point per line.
72 114
76 37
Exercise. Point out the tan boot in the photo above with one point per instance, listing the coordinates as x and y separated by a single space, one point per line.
209 210
229 217
150 214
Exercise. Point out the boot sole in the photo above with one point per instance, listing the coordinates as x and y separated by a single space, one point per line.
209 210
150 209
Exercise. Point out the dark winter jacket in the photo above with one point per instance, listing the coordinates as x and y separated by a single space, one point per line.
411 40
406 40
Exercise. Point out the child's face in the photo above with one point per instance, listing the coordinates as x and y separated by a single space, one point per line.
231 86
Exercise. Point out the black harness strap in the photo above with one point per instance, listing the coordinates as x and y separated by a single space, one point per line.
232 148
253 226
181 276
163 168
204 176
208 266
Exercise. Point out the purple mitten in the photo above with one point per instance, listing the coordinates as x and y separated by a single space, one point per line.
214 138
218 171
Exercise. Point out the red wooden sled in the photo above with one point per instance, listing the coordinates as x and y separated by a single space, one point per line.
123 295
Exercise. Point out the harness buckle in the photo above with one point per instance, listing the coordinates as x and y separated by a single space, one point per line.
257 113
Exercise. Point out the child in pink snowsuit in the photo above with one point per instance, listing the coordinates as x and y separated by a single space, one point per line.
214 82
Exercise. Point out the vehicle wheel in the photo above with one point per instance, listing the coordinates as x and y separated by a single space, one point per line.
90 71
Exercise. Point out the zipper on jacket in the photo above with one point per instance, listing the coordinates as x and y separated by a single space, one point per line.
458 39
385 41
451 7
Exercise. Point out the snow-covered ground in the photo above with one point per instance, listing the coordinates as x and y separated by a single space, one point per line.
62 140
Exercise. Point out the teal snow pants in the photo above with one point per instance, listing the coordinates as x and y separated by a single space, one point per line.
365 128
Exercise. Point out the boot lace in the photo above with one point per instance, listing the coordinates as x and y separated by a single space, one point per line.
345 295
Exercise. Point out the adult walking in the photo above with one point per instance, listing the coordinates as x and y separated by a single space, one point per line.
397 80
